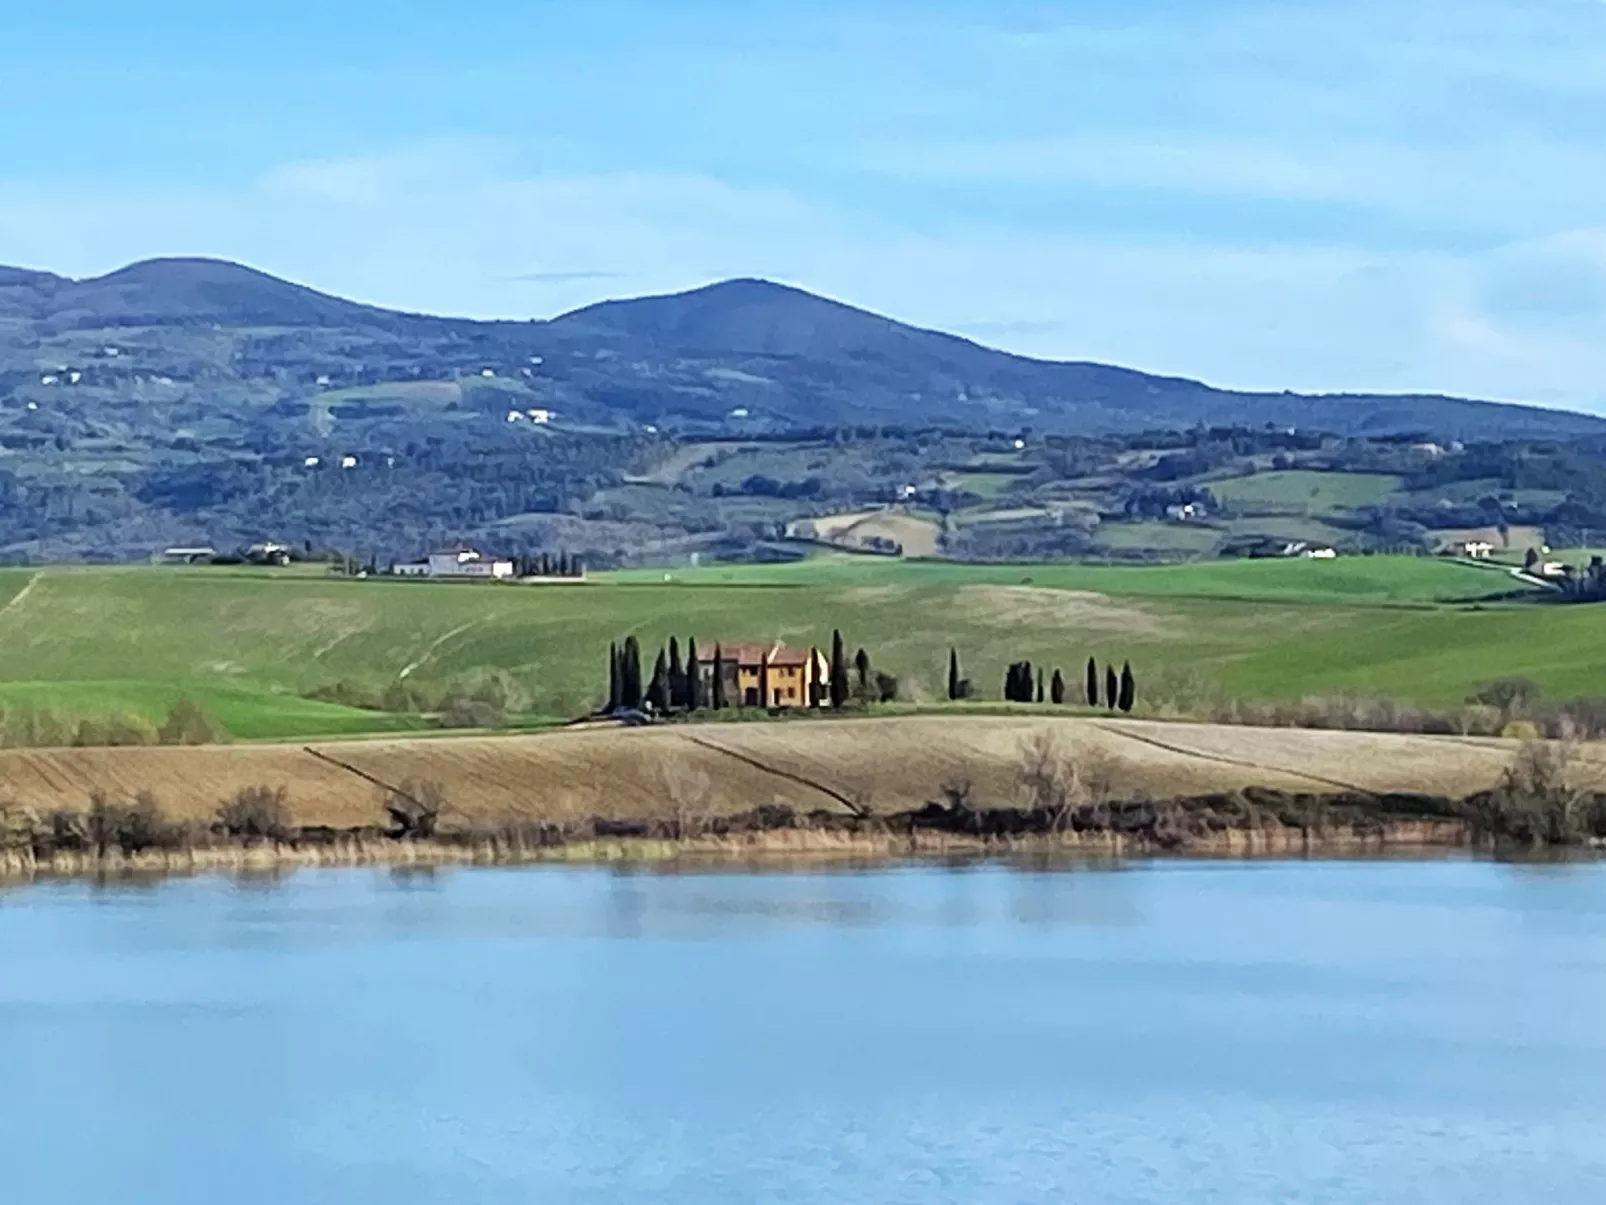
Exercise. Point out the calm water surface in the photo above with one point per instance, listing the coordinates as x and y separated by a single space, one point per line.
1274 1032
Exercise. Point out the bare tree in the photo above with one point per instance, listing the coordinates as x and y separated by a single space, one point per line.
1048 776
686 789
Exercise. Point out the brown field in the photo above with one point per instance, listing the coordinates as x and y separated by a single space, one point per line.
1517 539
919 536
709 769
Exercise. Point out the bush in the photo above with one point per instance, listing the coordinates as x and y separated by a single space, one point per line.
414 808
188 724
1536 801
465 711
130 827
886 687
113 731
1512 696
1520 730
255 814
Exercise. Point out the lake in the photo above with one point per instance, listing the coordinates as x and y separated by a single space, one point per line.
1333 1032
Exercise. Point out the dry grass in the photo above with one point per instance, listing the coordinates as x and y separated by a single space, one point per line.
718 769
1081 610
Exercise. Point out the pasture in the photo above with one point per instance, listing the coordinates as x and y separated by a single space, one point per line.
249 645
1301 491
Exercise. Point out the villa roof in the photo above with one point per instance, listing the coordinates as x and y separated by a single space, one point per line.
756 654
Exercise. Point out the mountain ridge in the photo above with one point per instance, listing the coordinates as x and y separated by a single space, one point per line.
785 356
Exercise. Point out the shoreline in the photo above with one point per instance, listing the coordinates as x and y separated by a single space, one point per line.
860 843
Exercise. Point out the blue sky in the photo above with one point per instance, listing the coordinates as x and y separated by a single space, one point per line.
1308 194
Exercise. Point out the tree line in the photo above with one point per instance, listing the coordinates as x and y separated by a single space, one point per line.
1026 683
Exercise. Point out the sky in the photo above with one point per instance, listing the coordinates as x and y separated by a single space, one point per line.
1379 195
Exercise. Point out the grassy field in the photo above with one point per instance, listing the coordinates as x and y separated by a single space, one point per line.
983 484
1301 490
1154 535
248 645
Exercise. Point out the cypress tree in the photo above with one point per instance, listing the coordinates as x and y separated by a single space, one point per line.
839 672
658 688
1092 686
677 675
764 680
1040 695
1112 687
630 675
719 701
861 666
694 677
1128 693
1056 688
613 676
953 674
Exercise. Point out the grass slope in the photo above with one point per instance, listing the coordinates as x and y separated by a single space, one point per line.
1305 490
247 645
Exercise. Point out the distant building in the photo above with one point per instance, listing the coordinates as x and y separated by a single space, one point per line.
1477 550
768 675
459 562
268 552
1321 554
187 556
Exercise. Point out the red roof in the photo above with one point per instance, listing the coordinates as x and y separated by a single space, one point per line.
756 654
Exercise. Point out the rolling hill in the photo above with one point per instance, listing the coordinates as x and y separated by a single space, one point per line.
237 343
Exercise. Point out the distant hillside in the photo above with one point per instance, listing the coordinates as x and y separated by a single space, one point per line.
237 346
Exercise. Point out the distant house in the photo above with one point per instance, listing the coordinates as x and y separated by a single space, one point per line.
769 675
267 552
187 556
1321 554
1186 512
1477 550
460 561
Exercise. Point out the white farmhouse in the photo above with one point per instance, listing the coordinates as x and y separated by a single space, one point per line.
457 562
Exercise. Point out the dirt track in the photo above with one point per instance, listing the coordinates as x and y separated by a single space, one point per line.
886 764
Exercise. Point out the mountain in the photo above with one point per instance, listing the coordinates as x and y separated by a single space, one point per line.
230 345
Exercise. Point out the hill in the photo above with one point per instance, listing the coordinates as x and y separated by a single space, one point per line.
277 655
229 336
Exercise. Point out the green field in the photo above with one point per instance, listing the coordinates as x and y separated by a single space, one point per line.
248 645
1304 491
983 484
1178 538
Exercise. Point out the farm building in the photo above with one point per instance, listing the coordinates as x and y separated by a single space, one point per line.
198 555
770 675
459 562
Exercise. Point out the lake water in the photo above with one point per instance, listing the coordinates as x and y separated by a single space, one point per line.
1172 1031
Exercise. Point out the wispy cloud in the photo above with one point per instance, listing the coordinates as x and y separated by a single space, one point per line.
565 278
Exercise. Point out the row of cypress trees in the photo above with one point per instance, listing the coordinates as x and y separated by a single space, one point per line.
1024 683
673 686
